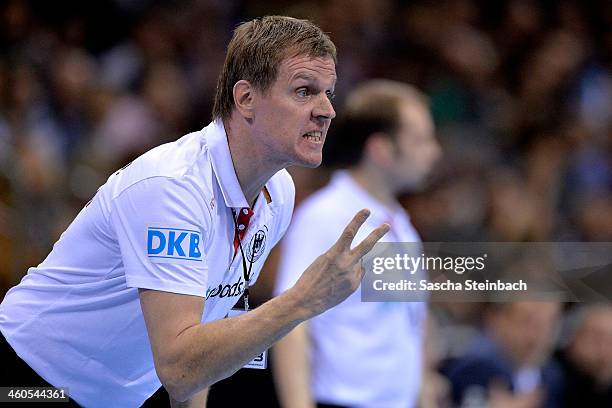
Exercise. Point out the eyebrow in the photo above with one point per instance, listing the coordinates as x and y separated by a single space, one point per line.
305 76
308 77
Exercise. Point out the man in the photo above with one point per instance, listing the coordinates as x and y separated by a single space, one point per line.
360 354
119 304
508 365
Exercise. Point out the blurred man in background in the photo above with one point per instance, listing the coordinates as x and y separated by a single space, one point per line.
360 354
508 365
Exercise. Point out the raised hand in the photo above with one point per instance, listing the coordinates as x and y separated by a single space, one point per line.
337 273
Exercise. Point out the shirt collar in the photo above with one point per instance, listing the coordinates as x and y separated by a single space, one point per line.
223 166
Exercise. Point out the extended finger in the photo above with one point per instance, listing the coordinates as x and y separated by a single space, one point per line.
368 242
344 242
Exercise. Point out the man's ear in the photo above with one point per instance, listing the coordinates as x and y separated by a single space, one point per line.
244 97
379 149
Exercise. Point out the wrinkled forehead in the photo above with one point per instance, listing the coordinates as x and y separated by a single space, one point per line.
321 68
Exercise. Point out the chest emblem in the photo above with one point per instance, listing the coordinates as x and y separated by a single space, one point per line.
257 245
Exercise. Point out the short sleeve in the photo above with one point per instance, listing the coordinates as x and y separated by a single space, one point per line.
162 227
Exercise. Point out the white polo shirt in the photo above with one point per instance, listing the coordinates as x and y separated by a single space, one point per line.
164 222
363 354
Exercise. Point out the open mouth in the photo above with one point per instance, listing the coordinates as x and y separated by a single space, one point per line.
314 136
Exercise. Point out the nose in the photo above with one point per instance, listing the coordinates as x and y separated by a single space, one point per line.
324 109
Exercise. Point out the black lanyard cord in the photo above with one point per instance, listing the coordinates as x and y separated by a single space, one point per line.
245 273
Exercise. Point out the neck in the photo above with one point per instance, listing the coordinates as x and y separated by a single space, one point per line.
373 181
253 168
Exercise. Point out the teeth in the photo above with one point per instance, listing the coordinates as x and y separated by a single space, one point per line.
314 136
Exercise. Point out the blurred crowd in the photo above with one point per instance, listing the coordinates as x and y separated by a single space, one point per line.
521 92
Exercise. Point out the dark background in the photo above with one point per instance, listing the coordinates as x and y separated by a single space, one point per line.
521 92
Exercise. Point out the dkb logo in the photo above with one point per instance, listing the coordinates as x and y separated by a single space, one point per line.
174 243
